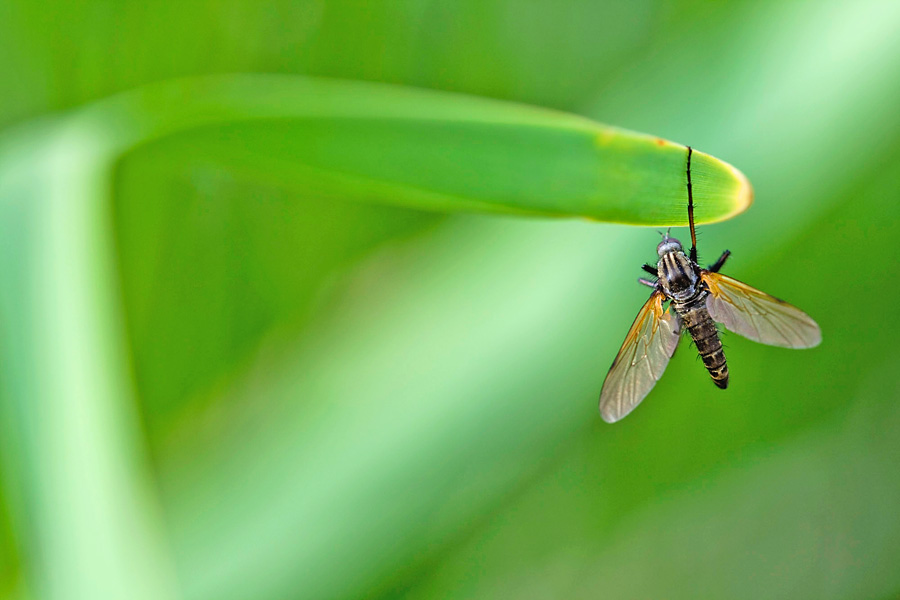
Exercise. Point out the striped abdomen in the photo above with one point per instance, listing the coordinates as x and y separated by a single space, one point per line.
706 337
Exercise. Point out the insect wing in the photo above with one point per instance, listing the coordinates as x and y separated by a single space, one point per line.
757 315
640 363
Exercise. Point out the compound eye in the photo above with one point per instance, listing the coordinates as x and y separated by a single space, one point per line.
668 245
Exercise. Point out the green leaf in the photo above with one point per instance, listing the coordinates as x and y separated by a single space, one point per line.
428 150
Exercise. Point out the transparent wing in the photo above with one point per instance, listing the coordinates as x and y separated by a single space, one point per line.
640 363
757 315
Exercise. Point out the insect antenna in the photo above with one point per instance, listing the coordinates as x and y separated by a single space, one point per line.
691 207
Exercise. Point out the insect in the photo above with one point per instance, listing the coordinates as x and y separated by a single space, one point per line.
697 299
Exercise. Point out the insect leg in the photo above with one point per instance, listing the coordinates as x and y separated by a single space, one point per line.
650 269
690 192
647 282
718 264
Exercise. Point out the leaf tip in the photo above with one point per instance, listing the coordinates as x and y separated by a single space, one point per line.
726 188
743 193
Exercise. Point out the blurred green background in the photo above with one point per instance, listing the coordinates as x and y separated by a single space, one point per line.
291 395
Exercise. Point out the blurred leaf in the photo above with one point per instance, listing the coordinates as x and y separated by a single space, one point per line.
83 505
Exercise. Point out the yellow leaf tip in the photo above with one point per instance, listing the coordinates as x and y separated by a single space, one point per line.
742 196
743 193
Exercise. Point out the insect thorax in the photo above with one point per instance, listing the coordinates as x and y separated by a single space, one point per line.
678 276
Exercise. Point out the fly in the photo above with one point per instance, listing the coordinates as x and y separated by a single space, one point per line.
698 299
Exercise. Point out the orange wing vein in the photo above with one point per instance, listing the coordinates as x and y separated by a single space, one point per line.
757 315
640 363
